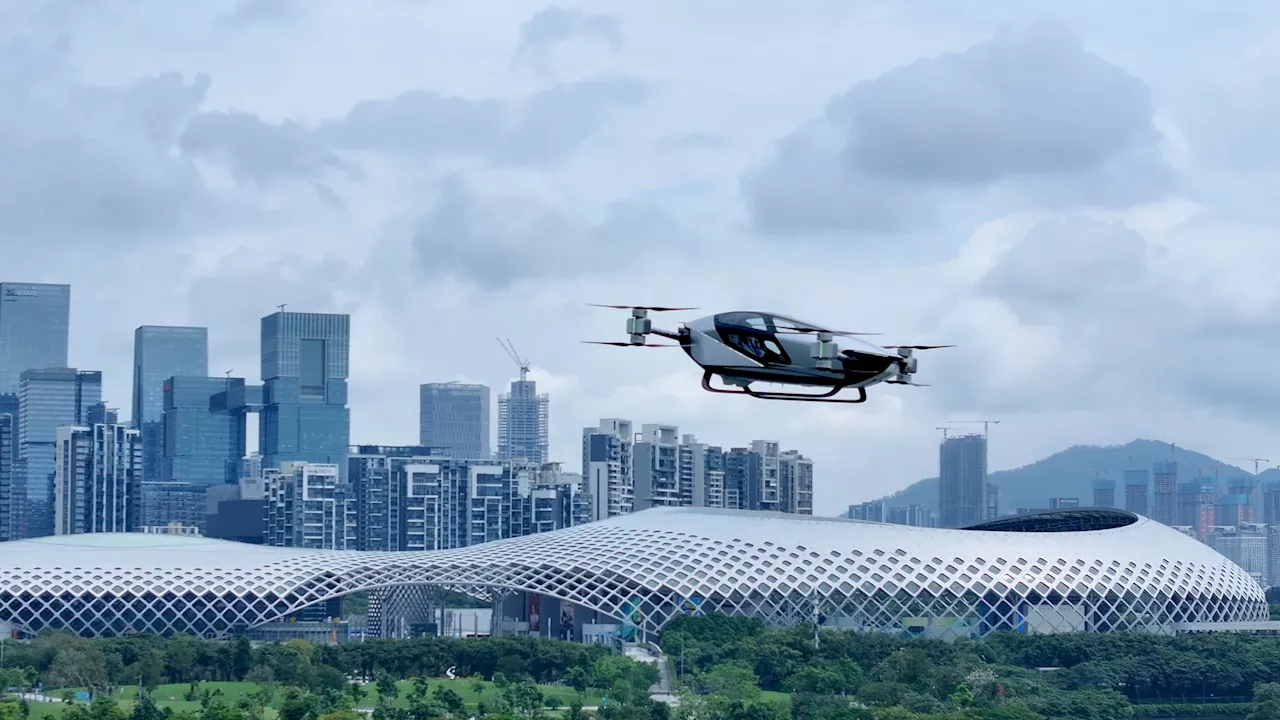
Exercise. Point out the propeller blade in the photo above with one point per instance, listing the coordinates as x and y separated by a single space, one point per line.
917 347
651 308
627 344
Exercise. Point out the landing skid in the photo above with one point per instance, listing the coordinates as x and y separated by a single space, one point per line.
827 397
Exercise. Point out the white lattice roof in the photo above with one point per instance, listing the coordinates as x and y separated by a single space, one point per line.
780 567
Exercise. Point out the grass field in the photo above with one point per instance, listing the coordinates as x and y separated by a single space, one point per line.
172 696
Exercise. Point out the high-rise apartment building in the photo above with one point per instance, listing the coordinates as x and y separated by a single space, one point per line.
701 468
1197 505
1164 507
1233 510
307 507
453 420
1104 493
49 398
8 463
607 467
34 330
379 488
993 501
97 484
656 467
1137 489
204 436
524 423
795 483
762 489
1245 495
737 477
1271 506
557 500
159 353
877 511
962 480
1245 546
305 363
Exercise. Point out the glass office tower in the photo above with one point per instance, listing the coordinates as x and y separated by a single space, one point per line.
48 399
159 353
34 321
204 431
305 361
454 419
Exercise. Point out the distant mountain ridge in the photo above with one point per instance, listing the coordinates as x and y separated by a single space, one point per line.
1071 472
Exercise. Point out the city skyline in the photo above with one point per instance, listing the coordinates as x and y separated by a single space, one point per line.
443 193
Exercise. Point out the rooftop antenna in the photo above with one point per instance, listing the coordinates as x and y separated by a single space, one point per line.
515 357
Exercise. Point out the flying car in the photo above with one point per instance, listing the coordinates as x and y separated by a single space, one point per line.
747 347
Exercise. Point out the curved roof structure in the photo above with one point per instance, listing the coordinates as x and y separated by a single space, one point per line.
1083 570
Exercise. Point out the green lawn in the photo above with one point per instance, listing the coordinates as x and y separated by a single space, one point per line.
172 696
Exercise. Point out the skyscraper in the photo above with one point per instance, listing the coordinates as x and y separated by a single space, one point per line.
1165 492
48 399
305 361
159 353
962 480
1104 493
8 463
1136 491
204 432
524 423
34 322
454 419
97 485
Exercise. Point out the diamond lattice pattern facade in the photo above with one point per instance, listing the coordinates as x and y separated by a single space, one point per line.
1075 570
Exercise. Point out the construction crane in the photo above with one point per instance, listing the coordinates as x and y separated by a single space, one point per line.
1257 462
515 357
986 425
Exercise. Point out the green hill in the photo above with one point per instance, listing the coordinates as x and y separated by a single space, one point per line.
1071 473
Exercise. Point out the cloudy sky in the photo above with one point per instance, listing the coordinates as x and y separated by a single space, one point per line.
1080 195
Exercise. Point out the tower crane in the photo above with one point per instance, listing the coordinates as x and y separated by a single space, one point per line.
515 357
1257 462
986 425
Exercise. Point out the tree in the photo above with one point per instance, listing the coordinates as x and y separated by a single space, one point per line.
80 665
524 697
296 705
387 689
355 691
241 658
734 682
145 709
451 701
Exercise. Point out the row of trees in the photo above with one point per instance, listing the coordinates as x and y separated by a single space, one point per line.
1077 675
59 660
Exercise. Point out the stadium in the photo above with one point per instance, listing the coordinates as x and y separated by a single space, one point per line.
1093 570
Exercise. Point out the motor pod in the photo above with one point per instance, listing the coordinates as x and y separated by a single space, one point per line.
826 352
638 326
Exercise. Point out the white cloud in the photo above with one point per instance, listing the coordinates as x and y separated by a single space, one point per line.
1086 210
